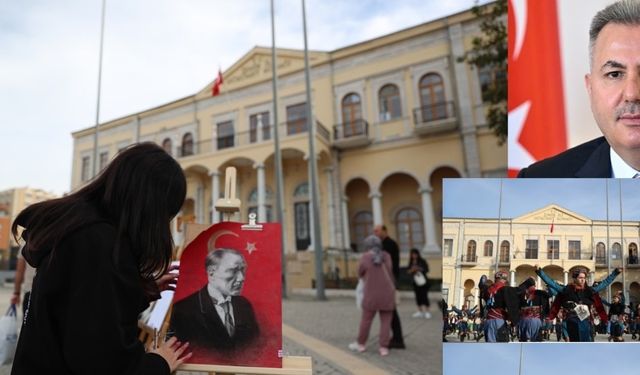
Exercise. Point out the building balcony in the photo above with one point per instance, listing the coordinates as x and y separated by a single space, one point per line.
286 131
435 118
469 260
351 134
632 262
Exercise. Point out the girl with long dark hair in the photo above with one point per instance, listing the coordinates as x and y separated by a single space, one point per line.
101 254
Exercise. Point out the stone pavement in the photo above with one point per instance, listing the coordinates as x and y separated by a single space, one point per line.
323 329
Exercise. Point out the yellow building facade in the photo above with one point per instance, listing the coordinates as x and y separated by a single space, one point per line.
552 238
394 115
12 202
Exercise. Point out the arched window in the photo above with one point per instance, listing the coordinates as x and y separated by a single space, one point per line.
362 227
389 102
488 248
616 251
166 145
432 98
471 251
268 200
301 216
601 254
187 145
409 229
504 252
351 115
633 253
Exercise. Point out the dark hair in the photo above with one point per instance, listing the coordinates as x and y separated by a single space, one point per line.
414 251
139 192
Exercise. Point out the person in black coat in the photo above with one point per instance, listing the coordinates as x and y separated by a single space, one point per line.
391 247
101 254
216 317
418 265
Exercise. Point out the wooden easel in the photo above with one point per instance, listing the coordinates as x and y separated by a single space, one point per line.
291 365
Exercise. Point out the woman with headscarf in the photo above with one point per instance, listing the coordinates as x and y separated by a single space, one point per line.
379 289
576 301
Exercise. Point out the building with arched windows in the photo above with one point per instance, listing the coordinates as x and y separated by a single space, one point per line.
552 238
394 115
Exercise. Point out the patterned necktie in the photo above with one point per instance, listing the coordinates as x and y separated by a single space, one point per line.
228 320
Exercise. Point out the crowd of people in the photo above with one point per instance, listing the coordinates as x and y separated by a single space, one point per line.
570 313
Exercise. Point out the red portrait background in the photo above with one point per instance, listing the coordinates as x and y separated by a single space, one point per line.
262 287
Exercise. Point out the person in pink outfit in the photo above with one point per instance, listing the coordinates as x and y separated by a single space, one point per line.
379 291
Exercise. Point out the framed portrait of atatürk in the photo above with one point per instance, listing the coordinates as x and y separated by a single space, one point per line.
227 302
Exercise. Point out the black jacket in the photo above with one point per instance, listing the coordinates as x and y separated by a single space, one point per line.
391 247
82 316
590 159
194 319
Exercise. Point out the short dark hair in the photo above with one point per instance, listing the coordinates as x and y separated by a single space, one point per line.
139 192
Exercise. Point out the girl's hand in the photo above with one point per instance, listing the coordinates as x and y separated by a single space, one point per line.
169 279
172 351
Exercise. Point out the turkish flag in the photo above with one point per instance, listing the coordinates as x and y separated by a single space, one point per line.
537 127
215 89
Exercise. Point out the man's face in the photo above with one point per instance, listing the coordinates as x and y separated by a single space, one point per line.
614 86
228 276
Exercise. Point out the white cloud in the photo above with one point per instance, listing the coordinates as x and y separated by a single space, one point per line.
154 52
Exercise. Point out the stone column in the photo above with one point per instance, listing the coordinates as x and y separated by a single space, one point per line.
376 205
330 207
200 204
513 278
476 293
262 213
538 282
566 277
215 194
431 246
346 235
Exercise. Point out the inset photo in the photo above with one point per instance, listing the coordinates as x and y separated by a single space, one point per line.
541 260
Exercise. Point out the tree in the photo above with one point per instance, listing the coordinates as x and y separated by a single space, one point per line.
489 56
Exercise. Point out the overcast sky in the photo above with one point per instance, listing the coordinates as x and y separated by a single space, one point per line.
154 52
480 197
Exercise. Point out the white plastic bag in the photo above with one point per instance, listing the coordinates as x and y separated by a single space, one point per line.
8 335
359 293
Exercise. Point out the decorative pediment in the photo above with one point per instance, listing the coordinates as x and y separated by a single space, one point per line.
552 213
255 67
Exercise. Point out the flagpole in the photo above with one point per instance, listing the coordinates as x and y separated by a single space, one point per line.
521 357
94 170
622 249
608 248
499 248
313 174
278 155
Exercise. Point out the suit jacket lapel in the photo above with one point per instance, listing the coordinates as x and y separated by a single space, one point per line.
211 318
598 164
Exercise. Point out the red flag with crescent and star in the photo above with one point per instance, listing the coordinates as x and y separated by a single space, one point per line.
537 127
262 289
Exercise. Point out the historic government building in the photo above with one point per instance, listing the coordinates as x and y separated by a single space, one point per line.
394 116
552 238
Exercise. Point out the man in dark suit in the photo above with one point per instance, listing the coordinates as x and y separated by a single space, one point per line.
391 247
614 91
217 316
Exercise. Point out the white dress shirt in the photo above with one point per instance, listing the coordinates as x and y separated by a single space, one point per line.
619 167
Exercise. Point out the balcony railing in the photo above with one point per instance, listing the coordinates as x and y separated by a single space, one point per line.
247 138
351 129
351 134
435 118
556 255
468 258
